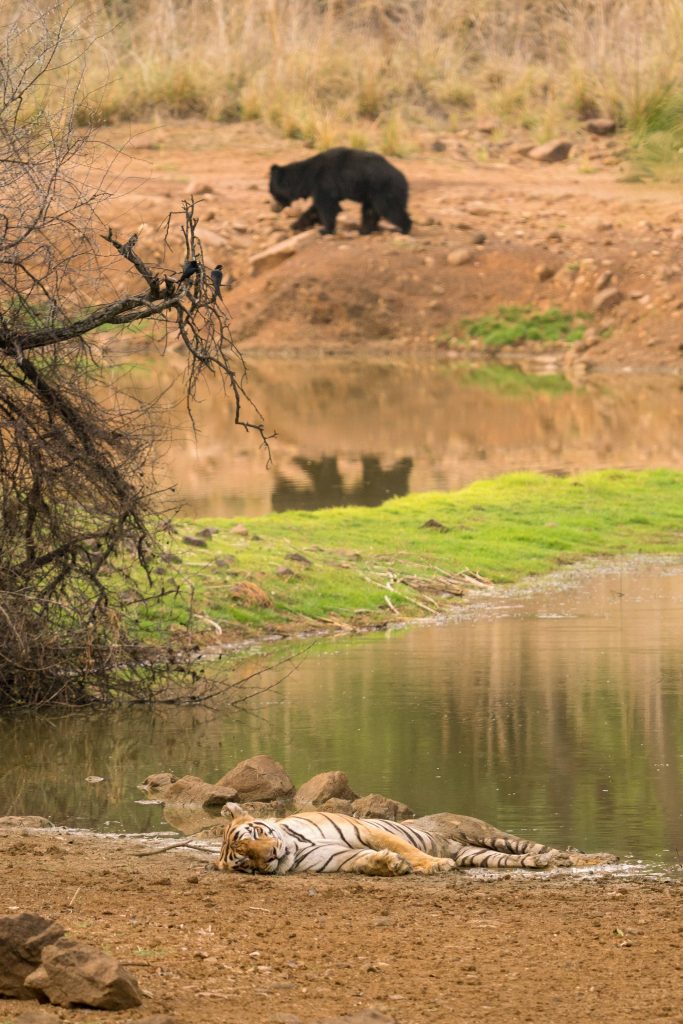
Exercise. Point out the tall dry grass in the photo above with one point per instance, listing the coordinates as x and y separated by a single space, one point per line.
368 72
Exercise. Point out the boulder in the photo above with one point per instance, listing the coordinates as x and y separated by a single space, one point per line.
24 821
551 152
336 806
276 254
191 791
158 781
22 940
376 806
258 778
75 974
323 787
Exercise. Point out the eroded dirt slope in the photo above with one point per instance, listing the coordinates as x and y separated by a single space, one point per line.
534 234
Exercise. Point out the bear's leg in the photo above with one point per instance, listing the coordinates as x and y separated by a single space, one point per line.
327 208
370 219
307 219
393 210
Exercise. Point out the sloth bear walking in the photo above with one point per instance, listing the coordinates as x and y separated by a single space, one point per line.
342 173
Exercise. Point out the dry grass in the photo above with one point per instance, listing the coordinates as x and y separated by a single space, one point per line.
368 72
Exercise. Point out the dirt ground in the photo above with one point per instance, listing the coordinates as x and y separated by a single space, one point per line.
456 948
534 233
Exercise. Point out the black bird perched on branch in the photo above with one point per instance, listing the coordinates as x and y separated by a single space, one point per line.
190 267
217 277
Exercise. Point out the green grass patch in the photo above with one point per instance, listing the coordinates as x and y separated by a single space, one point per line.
342 563
512 325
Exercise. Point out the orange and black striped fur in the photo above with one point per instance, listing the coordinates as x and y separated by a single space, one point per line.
321 841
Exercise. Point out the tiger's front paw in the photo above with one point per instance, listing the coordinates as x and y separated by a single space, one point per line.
435 866
389 863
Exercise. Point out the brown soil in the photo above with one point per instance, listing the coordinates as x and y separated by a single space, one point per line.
223 948
578 220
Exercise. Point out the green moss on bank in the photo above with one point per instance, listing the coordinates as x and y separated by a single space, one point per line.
339 565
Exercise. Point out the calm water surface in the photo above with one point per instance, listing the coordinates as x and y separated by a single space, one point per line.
356 432
557 714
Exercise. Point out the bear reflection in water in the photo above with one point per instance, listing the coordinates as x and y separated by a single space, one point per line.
327 488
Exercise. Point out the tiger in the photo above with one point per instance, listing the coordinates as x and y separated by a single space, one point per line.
323 841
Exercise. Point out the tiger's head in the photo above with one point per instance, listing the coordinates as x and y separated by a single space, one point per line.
253 846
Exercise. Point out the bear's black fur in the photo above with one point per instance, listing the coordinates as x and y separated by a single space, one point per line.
338 174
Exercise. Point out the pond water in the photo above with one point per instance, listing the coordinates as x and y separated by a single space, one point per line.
556 712
353 431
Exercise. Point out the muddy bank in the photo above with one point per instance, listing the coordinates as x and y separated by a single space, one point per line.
224 948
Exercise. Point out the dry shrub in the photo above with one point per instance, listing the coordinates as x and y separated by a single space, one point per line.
327 70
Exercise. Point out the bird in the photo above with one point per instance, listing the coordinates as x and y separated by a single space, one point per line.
217 277
190 267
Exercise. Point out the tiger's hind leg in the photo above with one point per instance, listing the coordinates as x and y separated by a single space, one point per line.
483 857
421 863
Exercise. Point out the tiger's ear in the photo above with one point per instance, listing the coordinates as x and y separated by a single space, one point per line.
231 811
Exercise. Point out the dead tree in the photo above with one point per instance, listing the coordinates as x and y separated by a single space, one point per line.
78 508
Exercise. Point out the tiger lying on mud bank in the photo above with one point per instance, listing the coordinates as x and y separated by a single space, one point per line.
321 841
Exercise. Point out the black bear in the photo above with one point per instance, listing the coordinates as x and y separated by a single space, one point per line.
338 174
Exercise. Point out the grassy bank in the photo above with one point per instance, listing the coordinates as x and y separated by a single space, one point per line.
367 72
359 566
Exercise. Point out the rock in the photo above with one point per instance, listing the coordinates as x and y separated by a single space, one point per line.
601 126
75 974
551 152
258 778
337 806
25 821
240 530
603 281
544 272
296 556
323 787
157 1018
22 940
158 781
250 594
195 542
191 791
271 257
438 146
459 257
200 188
606 299
434 524
207 532
376 806
257 808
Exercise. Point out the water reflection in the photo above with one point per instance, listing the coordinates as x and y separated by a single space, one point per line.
329 489
559 715
357 430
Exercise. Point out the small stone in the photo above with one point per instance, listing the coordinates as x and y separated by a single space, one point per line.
603 281
459 257
200 188
296 556
544 272
434 524
35 1015
601 126
240 530
607 299
195 542
250 594
551 152
158 781
438 146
